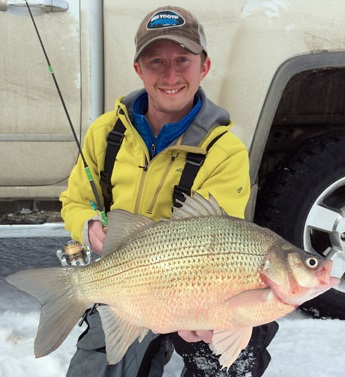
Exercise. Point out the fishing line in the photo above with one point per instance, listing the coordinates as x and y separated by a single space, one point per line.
86 167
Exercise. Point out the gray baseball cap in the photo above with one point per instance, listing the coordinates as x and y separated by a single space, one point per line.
173 23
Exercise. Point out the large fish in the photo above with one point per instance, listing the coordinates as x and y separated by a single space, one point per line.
201 270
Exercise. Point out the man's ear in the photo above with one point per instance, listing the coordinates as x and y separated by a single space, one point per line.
137 69
206 65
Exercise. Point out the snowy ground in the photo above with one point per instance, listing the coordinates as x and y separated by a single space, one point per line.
303 346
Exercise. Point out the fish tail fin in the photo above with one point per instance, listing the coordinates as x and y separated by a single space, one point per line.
62 305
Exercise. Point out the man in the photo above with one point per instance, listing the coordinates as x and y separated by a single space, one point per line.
170 117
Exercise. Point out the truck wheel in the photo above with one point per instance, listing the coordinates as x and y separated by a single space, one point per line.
304 202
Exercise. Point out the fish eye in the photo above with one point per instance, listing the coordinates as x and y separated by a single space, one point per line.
312 262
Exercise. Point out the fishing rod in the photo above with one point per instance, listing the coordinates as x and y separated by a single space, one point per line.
86 167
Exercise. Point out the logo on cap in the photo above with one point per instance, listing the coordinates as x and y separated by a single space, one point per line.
165 19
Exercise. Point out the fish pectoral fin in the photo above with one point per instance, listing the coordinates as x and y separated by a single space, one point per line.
119 334
229 344
250 298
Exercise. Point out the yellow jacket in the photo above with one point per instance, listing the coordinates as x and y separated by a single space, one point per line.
145 186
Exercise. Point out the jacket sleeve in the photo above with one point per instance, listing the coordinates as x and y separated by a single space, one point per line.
76 199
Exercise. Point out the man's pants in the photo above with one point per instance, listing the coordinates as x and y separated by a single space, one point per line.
90 359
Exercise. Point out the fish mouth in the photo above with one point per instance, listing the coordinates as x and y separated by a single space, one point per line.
310 293
298 294
324 275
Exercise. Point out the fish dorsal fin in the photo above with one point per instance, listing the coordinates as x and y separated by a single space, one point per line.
196 206
119 334
122 224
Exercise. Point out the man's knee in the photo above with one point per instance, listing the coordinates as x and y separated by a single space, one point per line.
90 358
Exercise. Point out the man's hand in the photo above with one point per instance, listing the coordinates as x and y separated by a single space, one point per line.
96 236
196 336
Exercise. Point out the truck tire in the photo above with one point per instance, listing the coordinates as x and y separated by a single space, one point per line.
304 202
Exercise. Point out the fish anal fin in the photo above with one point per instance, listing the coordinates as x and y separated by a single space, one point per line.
229 344
119 334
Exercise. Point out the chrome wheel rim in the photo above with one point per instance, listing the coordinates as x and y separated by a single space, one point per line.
324 230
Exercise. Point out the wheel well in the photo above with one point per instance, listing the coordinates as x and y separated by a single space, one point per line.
312 103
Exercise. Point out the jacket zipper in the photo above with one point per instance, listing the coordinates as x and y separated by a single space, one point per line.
122 112
142 181
153 149
145 167
155 196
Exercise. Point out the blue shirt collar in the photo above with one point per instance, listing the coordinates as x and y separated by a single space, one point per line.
169 132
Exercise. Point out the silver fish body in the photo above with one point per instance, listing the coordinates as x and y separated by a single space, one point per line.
201 270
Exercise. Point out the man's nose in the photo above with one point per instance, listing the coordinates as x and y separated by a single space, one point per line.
171 73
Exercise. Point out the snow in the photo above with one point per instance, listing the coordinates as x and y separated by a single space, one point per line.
303 346
42 230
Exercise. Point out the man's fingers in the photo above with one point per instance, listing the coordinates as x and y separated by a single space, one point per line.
96 236
196 336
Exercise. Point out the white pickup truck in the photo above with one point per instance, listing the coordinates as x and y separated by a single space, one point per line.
278 66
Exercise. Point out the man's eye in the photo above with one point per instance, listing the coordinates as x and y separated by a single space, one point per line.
183 59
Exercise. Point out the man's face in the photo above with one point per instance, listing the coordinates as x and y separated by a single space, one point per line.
171 76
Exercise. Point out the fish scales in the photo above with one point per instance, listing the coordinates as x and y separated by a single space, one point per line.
174 262
193 272
155 246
